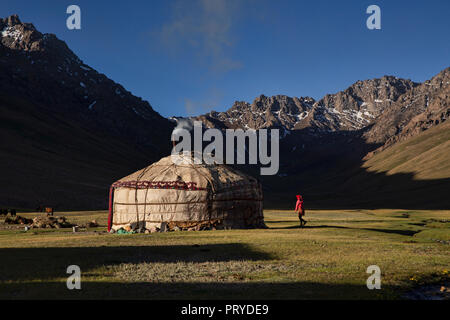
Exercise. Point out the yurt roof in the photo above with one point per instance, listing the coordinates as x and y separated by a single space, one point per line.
183 171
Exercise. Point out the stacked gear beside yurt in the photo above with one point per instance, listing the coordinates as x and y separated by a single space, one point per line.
186 196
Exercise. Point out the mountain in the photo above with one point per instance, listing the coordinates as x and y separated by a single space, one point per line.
419 109
348 110
359 105
67 131
264 112
425 155
411 173
42 69
325 144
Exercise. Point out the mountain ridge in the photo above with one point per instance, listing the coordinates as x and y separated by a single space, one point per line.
347 110
33 60
68 131
373 107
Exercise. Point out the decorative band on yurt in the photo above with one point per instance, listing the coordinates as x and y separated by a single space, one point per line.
179 185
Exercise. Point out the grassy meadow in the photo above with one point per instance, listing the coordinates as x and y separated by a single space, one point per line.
327 259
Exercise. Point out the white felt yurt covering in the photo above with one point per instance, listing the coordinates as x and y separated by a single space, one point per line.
186 196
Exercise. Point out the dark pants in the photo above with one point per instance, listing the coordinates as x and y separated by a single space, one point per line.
301 214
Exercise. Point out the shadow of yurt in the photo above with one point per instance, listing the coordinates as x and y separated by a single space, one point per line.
180 193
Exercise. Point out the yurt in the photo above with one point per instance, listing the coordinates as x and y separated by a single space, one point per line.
182 195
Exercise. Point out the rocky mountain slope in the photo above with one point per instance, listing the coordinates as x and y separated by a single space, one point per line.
384 110
412 173
425 155
67 131
352 109
417 110
42 69
325 143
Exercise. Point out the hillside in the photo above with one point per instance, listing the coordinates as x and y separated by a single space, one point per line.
42 69
419 109
326 145
67 132
425 155
414 174
47 159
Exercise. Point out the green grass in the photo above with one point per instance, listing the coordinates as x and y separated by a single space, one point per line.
325 260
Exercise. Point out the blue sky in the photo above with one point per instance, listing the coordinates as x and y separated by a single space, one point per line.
188 57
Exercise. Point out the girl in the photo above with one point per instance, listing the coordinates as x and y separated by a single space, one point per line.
300 210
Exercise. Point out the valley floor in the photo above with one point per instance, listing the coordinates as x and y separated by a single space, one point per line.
327 259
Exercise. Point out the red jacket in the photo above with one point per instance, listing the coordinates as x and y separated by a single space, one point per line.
299 205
